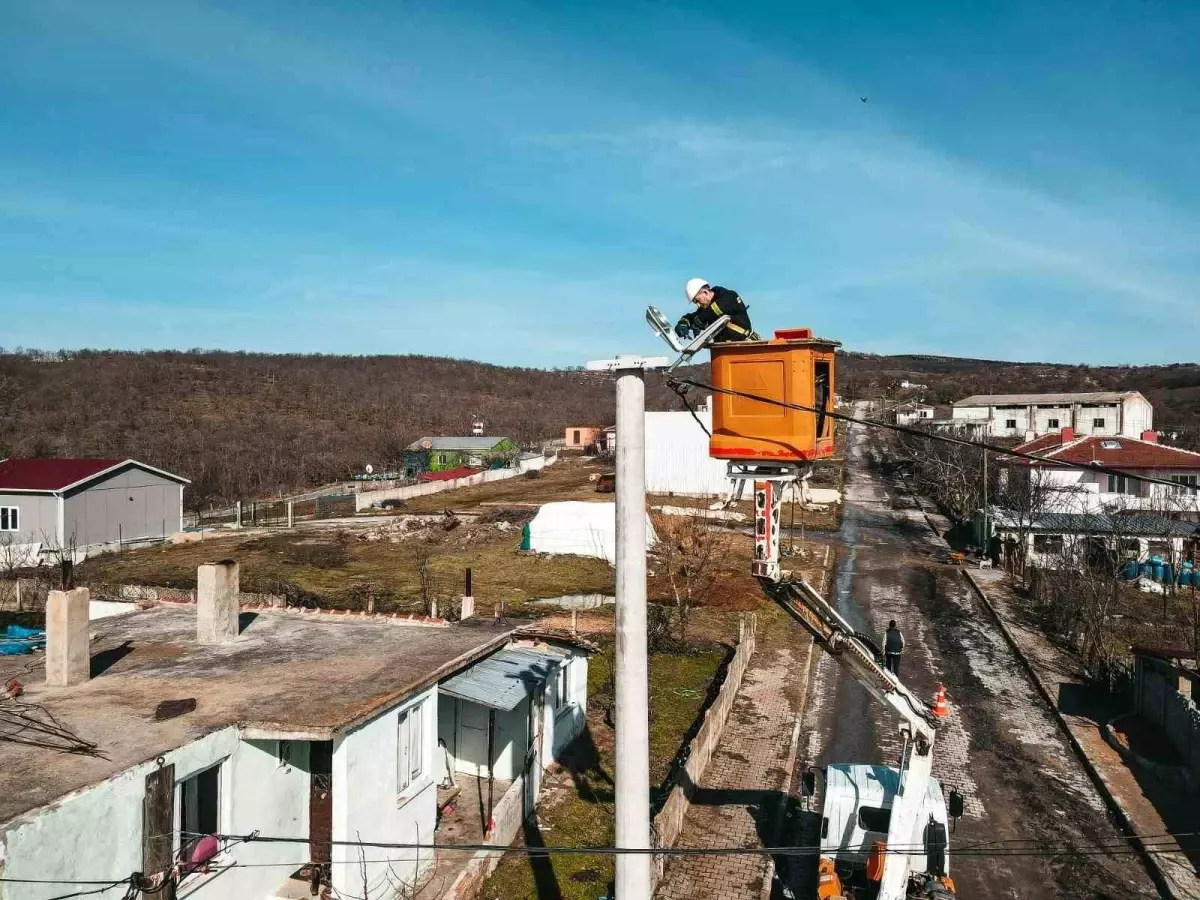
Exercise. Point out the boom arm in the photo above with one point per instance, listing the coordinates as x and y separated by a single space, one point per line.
857 655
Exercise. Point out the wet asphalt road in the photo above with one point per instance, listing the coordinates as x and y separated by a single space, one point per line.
1000 745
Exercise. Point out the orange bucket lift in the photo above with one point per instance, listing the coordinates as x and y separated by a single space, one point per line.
793 367
764 439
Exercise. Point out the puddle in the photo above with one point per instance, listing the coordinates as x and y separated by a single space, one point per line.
578 601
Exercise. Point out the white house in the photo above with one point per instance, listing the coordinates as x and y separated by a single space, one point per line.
914 413
317 730
1125 413
1079 488
1054 540
86 505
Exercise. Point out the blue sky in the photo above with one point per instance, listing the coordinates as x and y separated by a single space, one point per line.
516 182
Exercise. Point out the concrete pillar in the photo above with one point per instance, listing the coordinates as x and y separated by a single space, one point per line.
68 658
238 510
632 672
217 587
291 514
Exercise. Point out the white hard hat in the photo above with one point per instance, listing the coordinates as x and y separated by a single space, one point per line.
694 286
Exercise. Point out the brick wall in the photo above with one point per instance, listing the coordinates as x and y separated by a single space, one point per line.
669 821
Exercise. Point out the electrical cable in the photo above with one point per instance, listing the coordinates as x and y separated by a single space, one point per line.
932 436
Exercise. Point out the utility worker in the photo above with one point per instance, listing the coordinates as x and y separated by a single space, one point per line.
893 646
711 304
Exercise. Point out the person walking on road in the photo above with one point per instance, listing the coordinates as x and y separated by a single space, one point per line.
893 646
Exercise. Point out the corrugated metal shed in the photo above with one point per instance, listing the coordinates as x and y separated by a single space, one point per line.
677 460
505 678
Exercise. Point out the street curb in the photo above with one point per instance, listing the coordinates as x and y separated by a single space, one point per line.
1157 874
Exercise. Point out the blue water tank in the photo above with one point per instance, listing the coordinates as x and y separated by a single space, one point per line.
1131 569
1156 568
1144 569
1185 577
1168 573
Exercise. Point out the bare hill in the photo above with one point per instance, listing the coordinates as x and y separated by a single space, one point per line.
248 425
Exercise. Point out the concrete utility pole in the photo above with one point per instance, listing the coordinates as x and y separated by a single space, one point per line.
631 667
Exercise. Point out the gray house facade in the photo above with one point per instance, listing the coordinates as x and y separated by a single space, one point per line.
87 503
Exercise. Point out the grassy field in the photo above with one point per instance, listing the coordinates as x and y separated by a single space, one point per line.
580 812
568 479
335 568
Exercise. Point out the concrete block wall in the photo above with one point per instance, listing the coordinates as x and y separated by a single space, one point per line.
24 594
669 822
368 499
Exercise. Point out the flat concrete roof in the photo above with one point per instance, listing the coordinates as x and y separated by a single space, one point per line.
288 675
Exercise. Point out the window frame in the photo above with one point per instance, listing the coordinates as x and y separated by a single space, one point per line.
1010 424
1051 544
562 689
10 518
412 772
1118 484
180 812
1099 423
1053 424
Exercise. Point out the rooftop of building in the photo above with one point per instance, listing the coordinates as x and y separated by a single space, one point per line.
51 475
1036 399
455 443
305 676
1109 450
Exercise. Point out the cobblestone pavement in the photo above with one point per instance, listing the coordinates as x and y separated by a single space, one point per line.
739 799
1000 746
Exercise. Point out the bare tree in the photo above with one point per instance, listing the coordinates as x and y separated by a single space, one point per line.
1027 494
688 551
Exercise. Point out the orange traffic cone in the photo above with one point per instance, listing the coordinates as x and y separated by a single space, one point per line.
940 708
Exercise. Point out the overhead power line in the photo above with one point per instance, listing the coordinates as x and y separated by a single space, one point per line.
932 436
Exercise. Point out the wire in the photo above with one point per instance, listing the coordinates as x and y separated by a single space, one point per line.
932 436
981 850
116 884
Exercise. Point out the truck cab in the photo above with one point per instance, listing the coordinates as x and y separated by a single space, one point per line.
856 812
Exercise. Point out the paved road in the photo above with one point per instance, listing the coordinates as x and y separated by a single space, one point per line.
1000 745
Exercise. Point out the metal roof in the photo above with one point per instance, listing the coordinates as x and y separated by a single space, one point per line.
49 476
455 443
1087 523
1034 399
505 678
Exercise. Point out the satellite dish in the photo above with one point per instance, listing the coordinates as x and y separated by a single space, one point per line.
370 469
426 444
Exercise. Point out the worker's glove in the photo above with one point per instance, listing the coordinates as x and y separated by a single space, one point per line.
683 329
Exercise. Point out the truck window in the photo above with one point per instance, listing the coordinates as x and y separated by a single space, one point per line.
874 818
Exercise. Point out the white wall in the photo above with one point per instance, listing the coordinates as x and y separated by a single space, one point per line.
1138 416
368 807
97 833
564 724
677 460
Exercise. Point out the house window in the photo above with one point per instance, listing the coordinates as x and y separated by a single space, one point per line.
575 439
10 518
410 747
1097 423
1184 482
1052 424
1119 484
200 805
1048 543
284 753
1010 424
924 414
1161 549
562 687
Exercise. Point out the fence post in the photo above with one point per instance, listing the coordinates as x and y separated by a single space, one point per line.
237 507
291 517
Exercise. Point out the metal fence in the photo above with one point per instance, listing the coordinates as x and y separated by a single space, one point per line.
274 513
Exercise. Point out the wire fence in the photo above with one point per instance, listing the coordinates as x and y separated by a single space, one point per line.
274 513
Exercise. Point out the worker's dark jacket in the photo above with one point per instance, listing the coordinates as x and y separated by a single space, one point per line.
893 641
725 302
